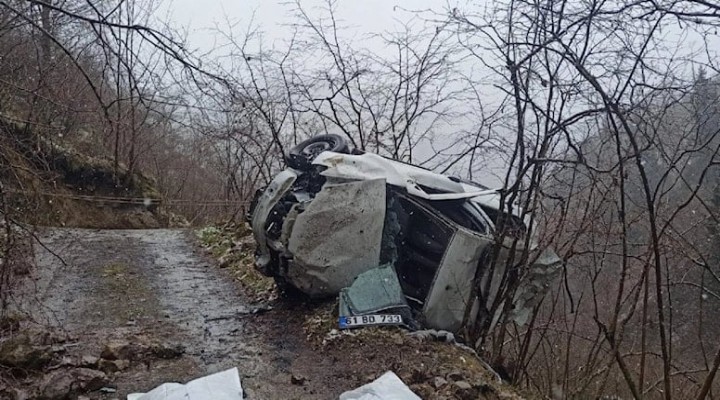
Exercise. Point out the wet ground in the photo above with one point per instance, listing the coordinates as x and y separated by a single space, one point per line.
101 285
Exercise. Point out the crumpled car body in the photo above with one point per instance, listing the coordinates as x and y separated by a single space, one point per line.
317 229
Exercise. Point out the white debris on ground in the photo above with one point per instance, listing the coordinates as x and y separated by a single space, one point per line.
223 385
386 387
226 385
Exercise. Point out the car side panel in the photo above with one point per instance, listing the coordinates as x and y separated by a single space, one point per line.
337 237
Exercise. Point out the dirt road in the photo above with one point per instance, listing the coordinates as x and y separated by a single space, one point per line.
101 285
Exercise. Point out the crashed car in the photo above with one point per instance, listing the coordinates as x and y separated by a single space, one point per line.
337 213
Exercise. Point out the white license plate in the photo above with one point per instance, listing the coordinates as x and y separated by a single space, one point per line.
364 320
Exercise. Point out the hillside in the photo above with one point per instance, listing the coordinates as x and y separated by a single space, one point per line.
50 183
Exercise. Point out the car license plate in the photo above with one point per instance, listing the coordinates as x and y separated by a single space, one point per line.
365 320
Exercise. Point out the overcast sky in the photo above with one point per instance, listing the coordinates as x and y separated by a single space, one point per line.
199 17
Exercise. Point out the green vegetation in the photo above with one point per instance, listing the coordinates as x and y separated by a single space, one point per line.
234 248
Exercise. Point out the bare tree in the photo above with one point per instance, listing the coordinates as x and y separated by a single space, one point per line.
605 150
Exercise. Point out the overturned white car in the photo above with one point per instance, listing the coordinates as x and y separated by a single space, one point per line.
336 214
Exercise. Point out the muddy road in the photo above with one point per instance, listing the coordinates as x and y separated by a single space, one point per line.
158 285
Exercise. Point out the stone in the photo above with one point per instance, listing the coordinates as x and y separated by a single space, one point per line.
439 382
455 376
465 391
423 390
110 366
167 351
19 352
69 383
123 350
89 361
462 385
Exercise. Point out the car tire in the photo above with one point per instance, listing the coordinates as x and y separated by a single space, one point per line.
301 156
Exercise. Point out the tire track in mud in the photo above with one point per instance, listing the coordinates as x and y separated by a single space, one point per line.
100 285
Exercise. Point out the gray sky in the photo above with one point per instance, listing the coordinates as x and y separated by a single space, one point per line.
365 16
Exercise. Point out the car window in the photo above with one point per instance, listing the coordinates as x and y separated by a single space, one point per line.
423 241
462 213
514 226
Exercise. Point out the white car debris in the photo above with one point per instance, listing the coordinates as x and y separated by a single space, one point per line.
223 385
386 387
226 385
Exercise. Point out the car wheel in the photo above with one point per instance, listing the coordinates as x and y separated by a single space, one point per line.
302 155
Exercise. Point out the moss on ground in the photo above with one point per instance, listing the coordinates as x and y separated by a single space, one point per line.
234 248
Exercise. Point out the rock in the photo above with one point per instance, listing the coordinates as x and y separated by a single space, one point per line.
455 376
423 390
67 362
123 350
297 380
110 366
88 361
167 351
465 391
122 364
18 352
462 385
140 349
69 383
226 259
439 382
